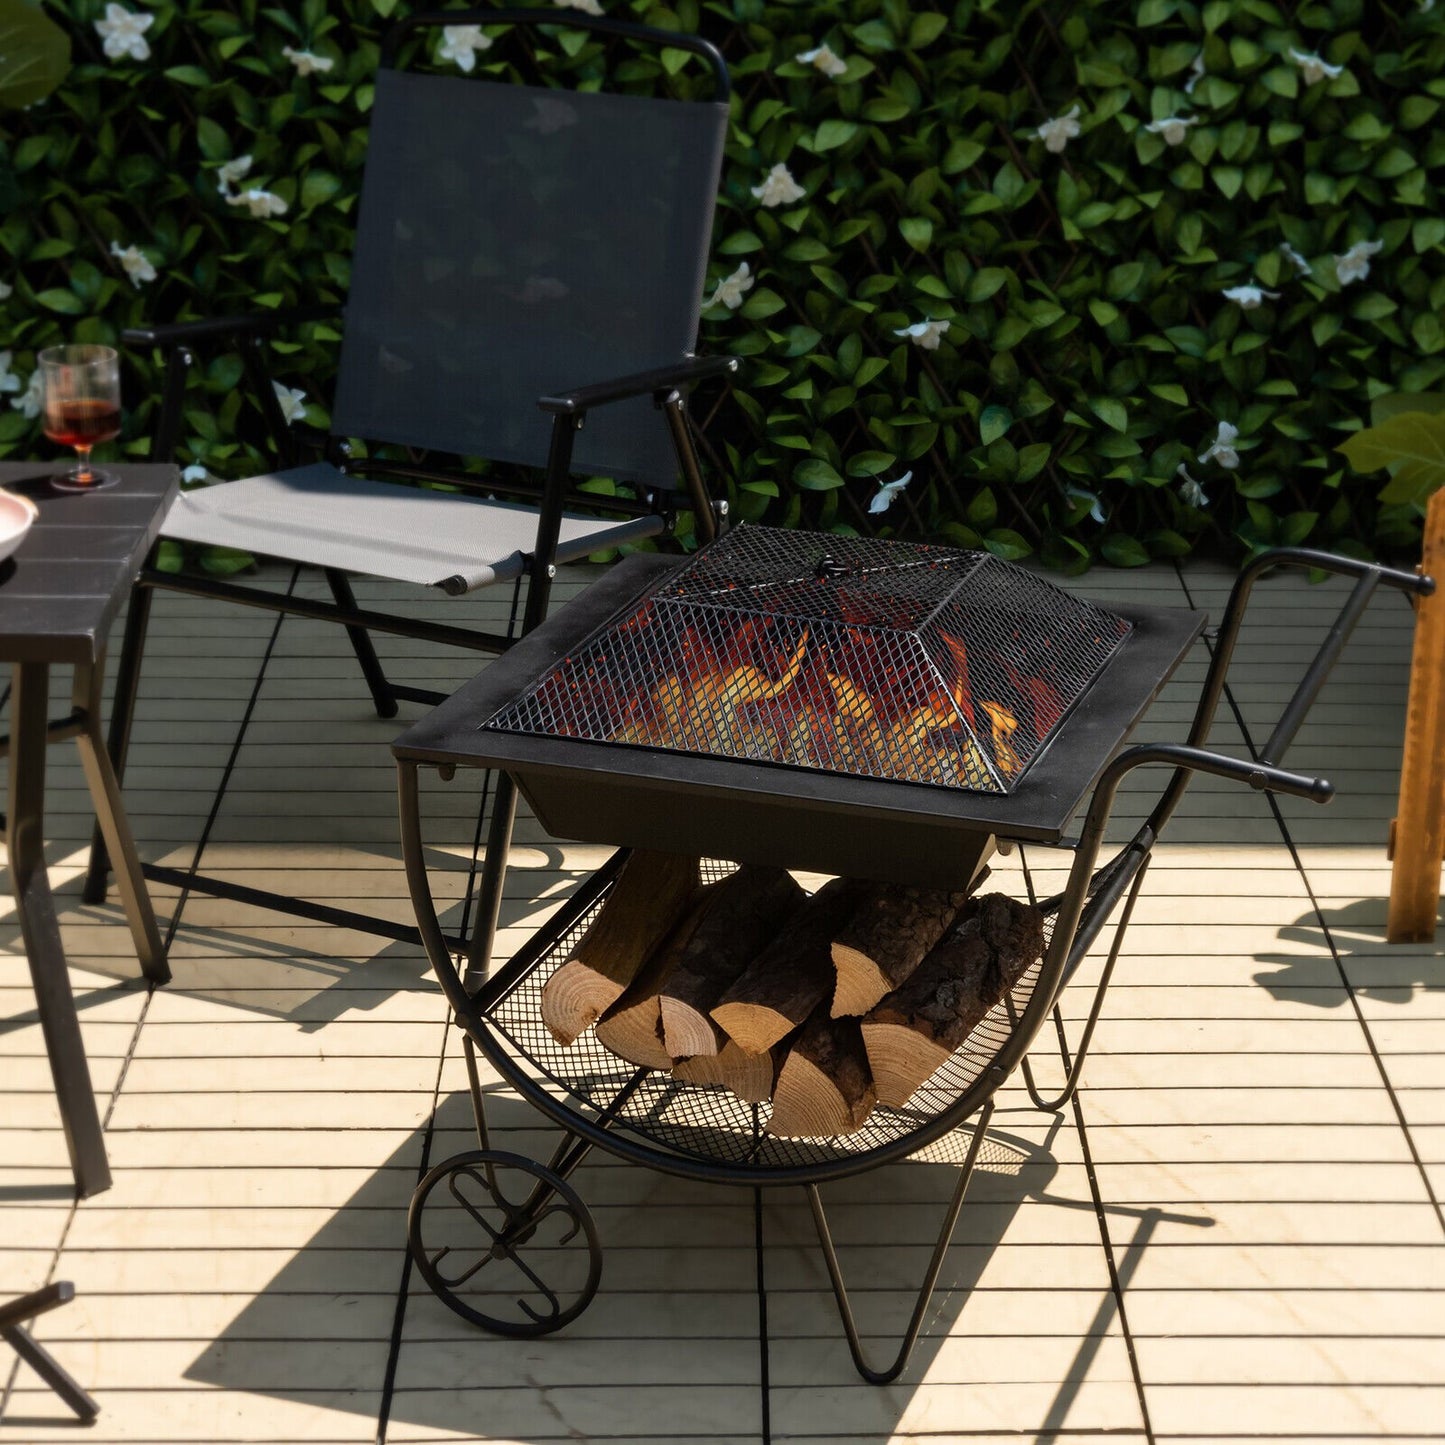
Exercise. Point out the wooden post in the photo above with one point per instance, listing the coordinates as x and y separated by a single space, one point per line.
1419 833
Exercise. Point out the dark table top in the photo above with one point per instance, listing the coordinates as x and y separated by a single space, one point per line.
64 584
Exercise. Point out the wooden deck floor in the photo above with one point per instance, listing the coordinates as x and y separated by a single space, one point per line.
1234 1233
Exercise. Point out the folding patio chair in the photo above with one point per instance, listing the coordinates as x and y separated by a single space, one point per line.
512 241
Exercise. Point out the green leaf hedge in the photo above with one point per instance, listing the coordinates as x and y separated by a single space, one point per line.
988 244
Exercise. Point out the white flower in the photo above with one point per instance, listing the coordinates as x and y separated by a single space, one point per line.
134 263
228 174
730 289
779 188
1426 5
1096 510
260 203
8 380
1290 254
1190 492
195 474
590 7
1312 68
1354 265
1174 128
124 33
5 291
549 115
306 62
32 398
1059 131
886 493
461 43
926 334
1196 73
1248 297
823 59
292 401
1221 449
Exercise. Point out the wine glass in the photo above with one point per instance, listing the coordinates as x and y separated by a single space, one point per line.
81 387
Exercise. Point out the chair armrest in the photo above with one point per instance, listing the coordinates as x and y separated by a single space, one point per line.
259 323
685 373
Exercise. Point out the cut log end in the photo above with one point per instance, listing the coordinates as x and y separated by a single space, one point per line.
861 983
824 1087
573 999
902 1061
688 1033
749 1076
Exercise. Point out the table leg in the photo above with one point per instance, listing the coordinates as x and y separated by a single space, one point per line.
24 835
105 796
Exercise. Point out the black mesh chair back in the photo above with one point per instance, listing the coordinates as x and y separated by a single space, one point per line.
513 242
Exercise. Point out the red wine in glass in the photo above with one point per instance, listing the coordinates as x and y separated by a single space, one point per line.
81 390
83 423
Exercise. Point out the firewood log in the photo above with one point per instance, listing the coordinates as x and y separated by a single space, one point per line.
632 1027
886 939
749 1076
824 1087
744 911
652 892
911 1032
785 982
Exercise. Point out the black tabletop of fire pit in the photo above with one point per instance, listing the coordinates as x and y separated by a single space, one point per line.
759 812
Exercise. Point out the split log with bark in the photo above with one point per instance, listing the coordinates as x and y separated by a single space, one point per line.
744 911
824 1086
791 976
889 935
632 1027
652 893
911 1033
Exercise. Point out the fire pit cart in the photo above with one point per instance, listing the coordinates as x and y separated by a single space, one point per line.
882 712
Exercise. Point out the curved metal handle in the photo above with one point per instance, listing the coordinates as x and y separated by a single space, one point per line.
1264 777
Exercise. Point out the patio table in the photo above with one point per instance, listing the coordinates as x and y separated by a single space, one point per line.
59 594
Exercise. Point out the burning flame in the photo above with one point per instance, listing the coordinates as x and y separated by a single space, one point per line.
813 702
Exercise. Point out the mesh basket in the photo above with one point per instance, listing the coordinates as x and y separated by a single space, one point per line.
845 654
710 1123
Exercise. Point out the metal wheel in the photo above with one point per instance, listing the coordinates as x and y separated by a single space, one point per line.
506 1243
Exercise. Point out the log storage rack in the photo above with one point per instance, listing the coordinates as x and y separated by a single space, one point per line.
506 1241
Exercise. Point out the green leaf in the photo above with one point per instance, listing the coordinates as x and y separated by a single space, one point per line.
994 422
985 283
1005 543
34 54
1123 551
834 133
815 475
917 231
1412 445
66 302
1111 411
870 464
925 29
225 561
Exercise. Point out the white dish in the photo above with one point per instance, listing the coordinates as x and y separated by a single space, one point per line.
17 515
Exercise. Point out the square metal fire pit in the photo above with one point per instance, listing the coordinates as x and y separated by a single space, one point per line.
795 811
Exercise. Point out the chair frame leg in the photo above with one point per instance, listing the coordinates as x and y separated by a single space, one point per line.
891 1372
13 1318
382 696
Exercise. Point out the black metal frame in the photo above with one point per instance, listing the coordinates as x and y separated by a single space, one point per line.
668 386
13 1320
1079 914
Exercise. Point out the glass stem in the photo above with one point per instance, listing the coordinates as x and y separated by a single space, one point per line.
82 470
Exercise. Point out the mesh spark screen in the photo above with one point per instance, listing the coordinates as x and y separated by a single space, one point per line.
874 659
